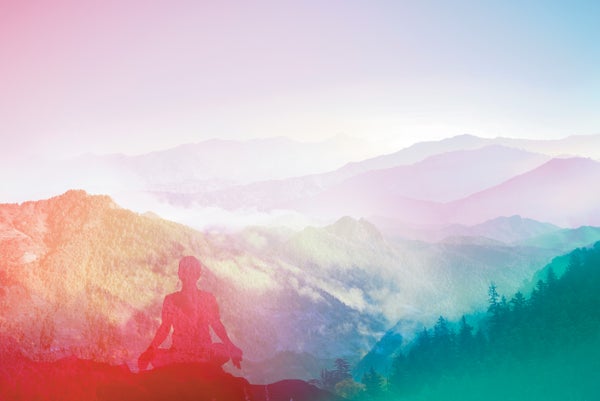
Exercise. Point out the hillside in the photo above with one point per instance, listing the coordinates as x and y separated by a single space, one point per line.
381 355
504 229
81 276
72 379
561 191
538 344
447 176
72 261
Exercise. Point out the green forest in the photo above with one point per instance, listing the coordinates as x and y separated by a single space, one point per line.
544 345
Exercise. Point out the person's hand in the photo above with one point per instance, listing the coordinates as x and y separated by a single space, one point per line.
145 359
235 354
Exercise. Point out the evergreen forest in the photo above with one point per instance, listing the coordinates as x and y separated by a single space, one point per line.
544 345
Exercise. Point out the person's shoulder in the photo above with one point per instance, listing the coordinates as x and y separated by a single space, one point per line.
208 299
170 298
208 296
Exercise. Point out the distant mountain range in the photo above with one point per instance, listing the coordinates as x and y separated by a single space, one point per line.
229 162
448 176
504 229
561 191
454 187
572 146
440 178
323 180
202 166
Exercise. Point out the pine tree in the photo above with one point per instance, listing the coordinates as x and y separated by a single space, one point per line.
374 384
493 297
465 338
551 278
518 302
443 338
496 310
342 370
401 376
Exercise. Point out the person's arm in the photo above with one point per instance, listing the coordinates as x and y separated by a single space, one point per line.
220 331
161 334
165 326
235 353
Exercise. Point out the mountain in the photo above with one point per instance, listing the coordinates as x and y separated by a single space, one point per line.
391 344
543 343
202 166
449 176
561 191
239 162
219 179
574 145
566 239
511 229
233 174
381 355
419 185
406 280
81 276
416 153
504 229
440 178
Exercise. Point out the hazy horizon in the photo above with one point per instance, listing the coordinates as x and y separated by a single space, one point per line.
134 78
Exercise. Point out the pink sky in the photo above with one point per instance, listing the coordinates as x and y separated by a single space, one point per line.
135 76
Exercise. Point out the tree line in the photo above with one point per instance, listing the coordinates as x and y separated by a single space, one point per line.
542 345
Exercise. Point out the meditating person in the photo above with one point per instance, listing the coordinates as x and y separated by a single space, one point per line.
191 313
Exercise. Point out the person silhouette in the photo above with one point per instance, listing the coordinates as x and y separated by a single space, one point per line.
191 312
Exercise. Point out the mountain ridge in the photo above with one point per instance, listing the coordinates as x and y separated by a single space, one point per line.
93 275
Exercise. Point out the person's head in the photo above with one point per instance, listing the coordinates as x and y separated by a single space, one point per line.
190 269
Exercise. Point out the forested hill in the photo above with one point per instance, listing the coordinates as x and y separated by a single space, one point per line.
541 346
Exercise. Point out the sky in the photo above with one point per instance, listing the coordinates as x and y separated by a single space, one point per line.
137 76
